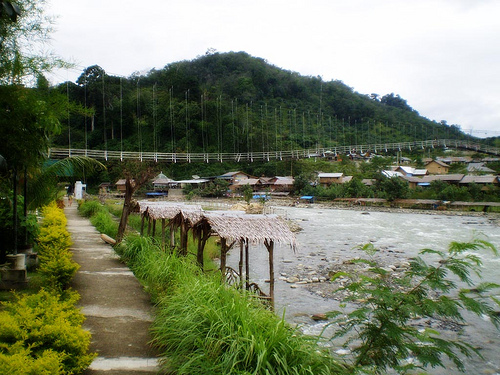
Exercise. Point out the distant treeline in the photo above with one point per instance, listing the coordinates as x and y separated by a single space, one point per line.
233 102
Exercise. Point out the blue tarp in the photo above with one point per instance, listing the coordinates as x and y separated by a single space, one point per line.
309 198
156 194
261 196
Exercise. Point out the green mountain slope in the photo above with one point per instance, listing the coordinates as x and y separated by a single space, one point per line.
233 102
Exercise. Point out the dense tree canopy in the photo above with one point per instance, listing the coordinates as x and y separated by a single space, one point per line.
233 102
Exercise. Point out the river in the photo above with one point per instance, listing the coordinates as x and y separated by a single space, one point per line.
330 236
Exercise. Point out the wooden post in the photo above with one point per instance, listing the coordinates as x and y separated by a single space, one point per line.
184 237
163 234
270 249
223 251
154 227
240 264
149 226
172 236
247 265
199 254
142 223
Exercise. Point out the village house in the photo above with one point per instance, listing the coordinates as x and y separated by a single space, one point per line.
410 171
326 179
480 180
234 177
281 184
161 182
455 159
104 188
120 185
437 167
479 168
239 185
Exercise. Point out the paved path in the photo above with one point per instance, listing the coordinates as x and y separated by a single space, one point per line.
118 312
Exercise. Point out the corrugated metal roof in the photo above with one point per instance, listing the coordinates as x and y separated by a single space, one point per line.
479 179
330 175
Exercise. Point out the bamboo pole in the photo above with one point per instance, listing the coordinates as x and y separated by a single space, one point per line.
247 265
172 235
270 248
163 234
142 224
223 251
240 264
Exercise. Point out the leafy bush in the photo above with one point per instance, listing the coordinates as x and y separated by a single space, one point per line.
54 237
18 360
57 267
53 216
380 325
46 331
53 249
90 208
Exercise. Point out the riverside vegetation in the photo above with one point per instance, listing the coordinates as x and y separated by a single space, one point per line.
41 330
203 326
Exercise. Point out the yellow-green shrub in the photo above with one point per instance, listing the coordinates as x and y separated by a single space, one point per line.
58 268
19 361
54 236
53 249
40 325
53 216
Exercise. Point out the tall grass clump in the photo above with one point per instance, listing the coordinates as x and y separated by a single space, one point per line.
105 223
206 327
90 208
99 217
203 326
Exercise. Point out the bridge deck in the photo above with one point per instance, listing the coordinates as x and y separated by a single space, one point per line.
60 153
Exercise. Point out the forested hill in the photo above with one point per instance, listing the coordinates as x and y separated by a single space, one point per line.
233 102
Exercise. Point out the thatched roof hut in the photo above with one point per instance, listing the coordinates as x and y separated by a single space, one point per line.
232 227
255 229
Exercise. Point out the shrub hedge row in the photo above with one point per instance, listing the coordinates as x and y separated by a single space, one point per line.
42 333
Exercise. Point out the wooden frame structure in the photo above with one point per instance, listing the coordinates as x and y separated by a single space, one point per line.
230 226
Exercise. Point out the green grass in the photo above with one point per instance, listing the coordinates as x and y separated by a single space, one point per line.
99 217
203 326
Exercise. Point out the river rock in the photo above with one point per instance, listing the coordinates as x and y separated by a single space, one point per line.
292 280
319 317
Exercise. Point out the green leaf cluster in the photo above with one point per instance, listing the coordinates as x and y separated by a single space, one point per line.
42 334
380 325
53 245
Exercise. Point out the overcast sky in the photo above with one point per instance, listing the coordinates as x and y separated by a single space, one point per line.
442 56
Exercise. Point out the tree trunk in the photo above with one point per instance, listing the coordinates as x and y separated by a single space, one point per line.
129 191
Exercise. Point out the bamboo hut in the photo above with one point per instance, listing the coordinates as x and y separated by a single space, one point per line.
231 227
178 215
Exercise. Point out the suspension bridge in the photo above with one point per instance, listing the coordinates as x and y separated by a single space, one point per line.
376 148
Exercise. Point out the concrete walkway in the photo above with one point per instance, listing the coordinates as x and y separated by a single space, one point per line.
118 312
